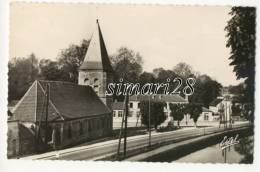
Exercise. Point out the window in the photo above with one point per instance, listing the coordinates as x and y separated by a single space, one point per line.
69 131
130 114
86 81
131 105
96 81
120 113
86 125
90 126
114 113
96 89
206 117
103 123
96 85
138 105
80 128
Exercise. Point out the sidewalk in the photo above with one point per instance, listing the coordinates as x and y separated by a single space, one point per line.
99 144
113 142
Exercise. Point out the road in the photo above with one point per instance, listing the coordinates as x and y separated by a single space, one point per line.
99 150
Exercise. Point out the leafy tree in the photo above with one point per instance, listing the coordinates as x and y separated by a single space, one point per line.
50 70
70 59
146 77
194 110
236 110
241 29
177 112
127 64
22 73
236 89
184 70
206 90
156 71
162 77
157 115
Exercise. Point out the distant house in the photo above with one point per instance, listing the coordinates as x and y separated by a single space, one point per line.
206 115
134 117
221 106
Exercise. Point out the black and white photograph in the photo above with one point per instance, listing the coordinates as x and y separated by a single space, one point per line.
125 82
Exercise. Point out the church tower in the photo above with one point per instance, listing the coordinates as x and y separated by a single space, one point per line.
96 70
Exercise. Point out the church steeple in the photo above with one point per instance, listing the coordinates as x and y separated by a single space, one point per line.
96 57
96 70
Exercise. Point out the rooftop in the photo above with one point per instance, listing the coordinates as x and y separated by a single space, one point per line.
66 101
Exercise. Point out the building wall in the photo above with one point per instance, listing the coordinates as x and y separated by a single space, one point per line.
206 116
134 118
99 81
75 131
227 107
21 139
13 139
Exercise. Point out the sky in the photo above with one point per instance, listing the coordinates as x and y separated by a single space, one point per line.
163 35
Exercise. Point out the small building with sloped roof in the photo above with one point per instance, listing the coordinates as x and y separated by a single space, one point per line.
75 113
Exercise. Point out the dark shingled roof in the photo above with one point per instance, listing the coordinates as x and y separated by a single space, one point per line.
118 106
159 97
215 102
96 57
67 101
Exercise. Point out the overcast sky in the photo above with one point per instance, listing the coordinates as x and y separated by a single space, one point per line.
164 35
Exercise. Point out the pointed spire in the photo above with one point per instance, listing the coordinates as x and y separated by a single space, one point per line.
96 56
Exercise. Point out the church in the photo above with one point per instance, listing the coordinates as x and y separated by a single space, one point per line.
57 114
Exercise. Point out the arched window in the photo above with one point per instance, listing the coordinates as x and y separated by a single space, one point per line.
69 131
86 81
96 81
96 85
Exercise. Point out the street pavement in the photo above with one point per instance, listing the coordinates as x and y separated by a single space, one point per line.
106 148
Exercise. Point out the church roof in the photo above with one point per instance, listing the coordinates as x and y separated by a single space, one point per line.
96 57
66 101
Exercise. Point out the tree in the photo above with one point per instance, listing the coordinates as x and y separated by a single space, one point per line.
157 115
49 70
241 40
163 76
206 90
177 112
156 71
194 110
70 59
127 64
236 110
146 77
22 73
184 70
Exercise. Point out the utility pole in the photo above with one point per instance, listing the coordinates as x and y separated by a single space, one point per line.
47 92
125 131
149 116
226 115
122 126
